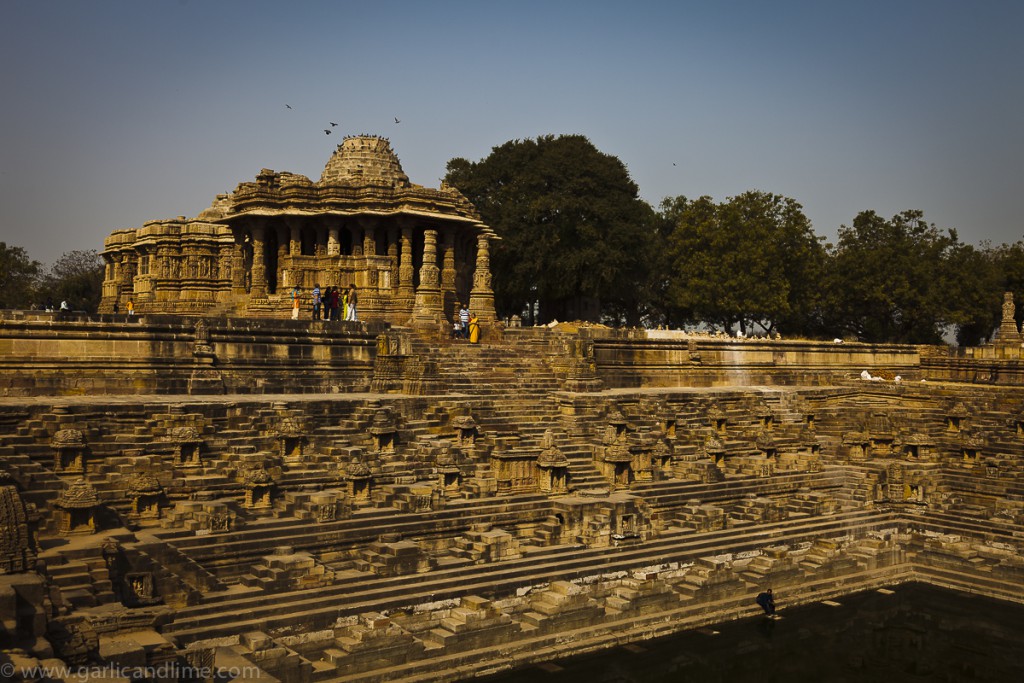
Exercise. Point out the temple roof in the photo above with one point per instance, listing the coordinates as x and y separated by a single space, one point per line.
362 177
364 160
78 495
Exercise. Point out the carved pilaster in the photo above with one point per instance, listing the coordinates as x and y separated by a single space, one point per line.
238 267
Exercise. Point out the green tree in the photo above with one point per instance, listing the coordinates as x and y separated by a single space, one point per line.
18 277
975 292
751 261
575 237
891 280
76 277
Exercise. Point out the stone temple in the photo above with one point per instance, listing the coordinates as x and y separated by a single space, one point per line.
209 490
412 251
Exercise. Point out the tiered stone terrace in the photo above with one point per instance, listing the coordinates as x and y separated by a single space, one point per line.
364 503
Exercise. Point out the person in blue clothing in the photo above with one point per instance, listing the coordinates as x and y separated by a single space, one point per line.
316 301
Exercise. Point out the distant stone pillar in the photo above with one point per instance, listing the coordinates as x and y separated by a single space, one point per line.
369 238
428 304
294 237
481 298
1008 333
357 240
259 270
393 256
405 267
448 272
333 245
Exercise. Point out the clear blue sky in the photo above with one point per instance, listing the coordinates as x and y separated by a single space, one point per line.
119 112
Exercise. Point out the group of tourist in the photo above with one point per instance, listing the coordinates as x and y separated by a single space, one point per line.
465 325
329 304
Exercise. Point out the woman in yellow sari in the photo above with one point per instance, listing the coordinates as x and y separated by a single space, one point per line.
474 330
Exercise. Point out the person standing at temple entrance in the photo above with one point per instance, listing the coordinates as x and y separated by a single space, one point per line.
353 299
474 330
131 307
316 301
295 303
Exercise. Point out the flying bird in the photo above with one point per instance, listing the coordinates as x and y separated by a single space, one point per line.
333 124
327 130
288 105
396 120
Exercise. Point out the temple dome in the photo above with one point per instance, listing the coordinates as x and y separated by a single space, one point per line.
364 160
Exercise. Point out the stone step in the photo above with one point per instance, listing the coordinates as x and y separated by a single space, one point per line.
573 562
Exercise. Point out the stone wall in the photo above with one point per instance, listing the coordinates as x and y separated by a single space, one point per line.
652 358
54 354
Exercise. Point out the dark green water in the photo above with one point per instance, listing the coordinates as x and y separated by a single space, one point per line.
918 633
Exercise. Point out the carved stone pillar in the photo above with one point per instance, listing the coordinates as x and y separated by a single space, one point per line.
428 304
357 240
369 238
393 256
481 298
405 267
294 237
448 272
259 271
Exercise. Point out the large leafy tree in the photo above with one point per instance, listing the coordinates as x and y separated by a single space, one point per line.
976 283
18 276
575 237
891 280
76 277
750 262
